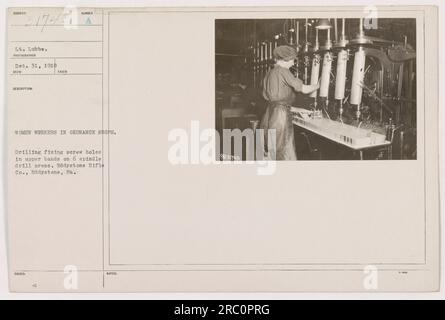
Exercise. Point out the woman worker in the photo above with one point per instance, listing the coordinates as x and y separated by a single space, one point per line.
279 87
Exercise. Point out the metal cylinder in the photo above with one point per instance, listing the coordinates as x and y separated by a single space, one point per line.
315 73
270 50
254 66
306 67
335 30
325 75
340 81
358 75
262 51
297 33
266 51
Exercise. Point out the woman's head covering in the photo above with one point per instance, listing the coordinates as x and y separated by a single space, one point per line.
285 53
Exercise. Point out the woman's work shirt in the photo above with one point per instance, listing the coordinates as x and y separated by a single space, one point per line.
280 85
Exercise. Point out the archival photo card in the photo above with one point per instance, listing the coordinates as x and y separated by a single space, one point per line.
146 149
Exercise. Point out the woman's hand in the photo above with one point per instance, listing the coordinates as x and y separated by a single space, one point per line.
307 89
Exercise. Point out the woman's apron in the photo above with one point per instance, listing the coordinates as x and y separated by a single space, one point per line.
279 117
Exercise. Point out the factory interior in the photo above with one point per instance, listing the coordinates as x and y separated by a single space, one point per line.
365 107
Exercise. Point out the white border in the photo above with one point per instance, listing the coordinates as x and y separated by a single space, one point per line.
4 290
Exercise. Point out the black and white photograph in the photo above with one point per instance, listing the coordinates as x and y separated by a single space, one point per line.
328 88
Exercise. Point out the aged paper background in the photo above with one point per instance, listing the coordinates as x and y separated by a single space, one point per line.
216 227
